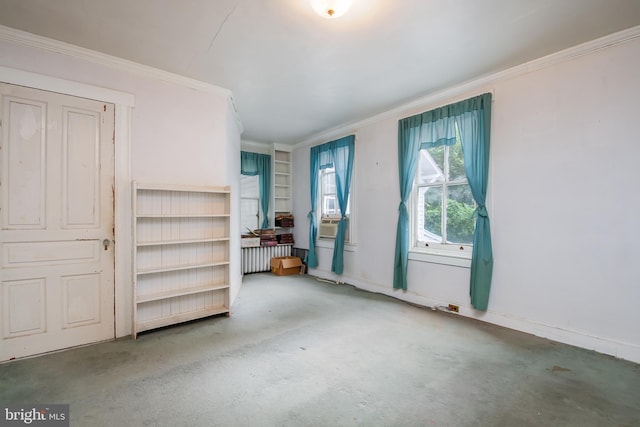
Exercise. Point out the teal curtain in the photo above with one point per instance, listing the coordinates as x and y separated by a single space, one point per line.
438 127
408 147
474 124
252 164
342 151
338 154
314 168
422 131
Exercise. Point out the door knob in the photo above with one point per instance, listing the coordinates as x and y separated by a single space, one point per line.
106 243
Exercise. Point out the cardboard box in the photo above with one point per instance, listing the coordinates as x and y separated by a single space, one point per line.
285 265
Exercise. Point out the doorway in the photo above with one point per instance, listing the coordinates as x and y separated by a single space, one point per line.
56 195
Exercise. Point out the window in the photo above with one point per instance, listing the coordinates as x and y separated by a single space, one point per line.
251 165
435 203
329 208
328 196
336 154
443 205
250 216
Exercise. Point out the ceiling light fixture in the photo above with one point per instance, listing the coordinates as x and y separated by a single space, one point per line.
330 9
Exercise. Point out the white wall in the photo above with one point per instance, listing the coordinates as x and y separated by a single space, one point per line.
563 204
180 133
233 144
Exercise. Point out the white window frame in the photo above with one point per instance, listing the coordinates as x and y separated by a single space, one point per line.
440 253
244 197
323 193
350 236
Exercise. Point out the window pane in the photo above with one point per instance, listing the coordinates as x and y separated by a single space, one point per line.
456 163
249 186
460 220
430 226
330 205
249 202
248 214
328 181
431 165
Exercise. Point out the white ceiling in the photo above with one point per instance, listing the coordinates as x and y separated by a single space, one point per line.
294 74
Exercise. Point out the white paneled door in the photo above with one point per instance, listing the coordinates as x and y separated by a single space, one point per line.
56 212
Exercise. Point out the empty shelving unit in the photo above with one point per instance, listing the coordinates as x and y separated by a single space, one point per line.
181 253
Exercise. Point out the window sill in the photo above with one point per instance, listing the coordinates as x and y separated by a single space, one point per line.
445 257
323 242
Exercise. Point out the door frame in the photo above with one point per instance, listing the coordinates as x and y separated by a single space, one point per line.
124 104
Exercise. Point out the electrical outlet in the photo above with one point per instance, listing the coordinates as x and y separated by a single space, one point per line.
454 308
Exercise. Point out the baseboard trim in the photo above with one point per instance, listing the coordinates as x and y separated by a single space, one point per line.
618 349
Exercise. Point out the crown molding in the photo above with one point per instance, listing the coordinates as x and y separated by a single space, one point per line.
449 94
255 147
282 147
39 42
32 40
55 84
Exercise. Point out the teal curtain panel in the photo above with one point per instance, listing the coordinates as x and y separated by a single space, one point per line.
252 164
433 128
338 154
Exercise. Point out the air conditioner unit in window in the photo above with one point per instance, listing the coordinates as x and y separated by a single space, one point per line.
328 228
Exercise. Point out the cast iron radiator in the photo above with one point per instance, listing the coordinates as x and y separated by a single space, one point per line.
255 260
